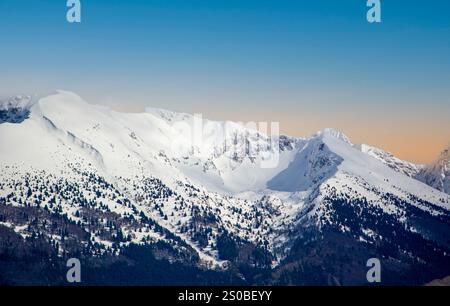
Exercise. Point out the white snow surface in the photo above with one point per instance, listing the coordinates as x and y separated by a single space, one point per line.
122 147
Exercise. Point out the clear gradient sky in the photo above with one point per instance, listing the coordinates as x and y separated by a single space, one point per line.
308 64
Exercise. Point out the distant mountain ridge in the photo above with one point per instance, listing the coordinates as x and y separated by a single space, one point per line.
83 179
437 174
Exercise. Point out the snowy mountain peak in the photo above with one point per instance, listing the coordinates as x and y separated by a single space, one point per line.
63 97
330 132
437 174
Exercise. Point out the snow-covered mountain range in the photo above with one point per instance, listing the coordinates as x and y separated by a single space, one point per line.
84 179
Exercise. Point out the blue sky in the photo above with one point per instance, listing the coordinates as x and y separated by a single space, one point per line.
303 63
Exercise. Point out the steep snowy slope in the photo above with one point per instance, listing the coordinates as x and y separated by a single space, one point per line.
437 175
198 185
380 175
48 170
391 161
134 153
